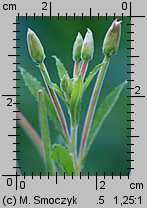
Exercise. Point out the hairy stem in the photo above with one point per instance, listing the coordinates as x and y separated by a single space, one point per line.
31 132
55 101
84 69
76 67
45 132
92 106
73 147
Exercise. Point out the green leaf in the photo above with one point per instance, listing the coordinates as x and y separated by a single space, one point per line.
91 75
60 68
61 156
34 85
102 112
75 102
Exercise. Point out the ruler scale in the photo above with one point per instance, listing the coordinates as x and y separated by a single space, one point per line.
116 188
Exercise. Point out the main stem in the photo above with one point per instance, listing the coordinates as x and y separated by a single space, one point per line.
92 105
45 132
73 147
75 71
84 69
55 101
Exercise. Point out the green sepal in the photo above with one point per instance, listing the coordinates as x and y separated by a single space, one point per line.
35 47
88 46
112 39
77 48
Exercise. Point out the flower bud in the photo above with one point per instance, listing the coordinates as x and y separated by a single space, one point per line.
35 47
111 41
77 48
66 86
88 46
64 83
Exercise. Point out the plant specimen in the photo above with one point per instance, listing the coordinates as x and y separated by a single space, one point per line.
65 156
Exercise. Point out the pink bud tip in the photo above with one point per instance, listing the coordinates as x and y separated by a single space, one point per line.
115 23
29 30
40 91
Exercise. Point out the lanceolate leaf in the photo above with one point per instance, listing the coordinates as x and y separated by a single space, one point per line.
60 68
34 85
103 112
91 75
75 102
61 156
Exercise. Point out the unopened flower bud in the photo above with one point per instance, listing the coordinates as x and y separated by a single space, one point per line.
66 86
88 46
77 48
35 47
112 38
64 83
